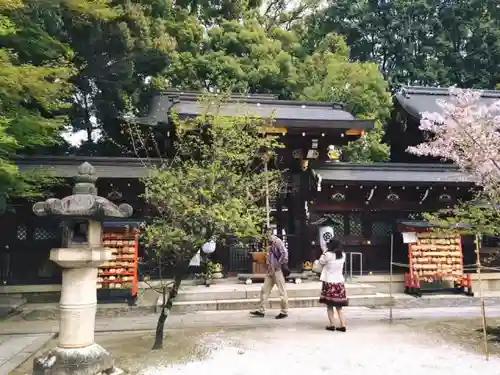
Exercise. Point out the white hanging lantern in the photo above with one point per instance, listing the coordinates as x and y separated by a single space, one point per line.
325 234
208 247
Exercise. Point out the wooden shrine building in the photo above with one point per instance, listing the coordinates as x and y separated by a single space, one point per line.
306 128
403 126
364 200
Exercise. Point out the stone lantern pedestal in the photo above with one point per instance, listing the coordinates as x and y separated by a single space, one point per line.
83 212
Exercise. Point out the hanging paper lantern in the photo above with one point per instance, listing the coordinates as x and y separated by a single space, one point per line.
326 234
208 247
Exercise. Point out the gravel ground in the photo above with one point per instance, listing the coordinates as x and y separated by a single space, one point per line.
385 348
467 333
436 346
131 350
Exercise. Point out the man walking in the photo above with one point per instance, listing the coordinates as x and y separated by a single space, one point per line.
277 256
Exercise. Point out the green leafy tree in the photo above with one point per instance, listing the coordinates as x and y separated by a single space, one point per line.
328 75
245 57
468 217
121 56
237 56
33 97
212 189
116 51
422 42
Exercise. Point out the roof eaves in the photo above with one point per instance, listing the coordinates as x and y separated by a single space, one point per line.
106 167
252 98
77 160
405 173
433 167
440 91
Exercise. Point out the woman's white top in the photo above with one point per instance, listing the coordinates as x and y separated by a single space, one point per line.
332 268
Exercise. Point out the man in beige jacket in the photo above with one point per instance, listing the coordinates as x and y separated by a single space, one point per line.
277 256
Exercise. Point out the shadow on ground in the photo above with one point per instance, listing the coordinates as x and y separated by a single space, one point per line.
467 333
492 332
132 350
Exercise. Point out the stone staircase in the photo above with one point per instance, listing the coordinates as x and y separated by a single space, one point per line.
219 297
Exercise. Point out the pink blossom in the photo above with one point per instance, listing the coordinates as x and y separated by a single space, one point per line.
467 133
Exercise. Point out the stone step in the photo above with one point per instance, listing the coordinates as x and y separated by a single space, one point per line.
370 300
239 291
10 303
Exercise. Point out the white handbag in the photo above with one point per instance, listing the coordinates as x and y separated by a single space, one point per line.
317 267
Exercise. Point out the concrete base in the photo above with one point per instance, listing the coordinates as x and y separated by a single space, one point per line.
490 281
91 360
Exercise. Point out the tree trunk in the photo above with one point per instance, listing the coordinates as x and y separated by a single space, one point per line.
166 307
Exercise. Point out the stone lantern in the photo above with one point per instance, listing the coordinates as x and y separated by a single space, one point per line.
81 253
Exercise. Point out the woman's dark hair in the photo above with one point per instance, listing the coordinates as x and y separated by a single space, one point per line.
335 247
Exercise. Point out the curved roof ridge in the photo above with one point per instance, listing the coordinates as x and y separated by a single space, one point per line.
424 90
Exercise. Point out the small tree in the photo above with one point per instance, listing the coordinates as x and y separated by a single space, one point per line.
213 188
467 133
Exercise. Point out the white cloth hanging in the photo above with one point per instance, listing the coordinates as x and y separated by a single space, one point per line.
195 260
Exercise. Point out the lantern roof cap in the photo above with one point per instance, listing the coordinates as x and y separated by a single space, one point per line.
84 202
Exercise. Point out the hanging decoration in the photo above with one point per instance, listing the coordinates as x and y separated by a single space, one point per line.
195 260
115 195
392 197
297 153
304 164
370 195
424 197
325 234
338 197
313 152
209 247
445 198
334 153
318 180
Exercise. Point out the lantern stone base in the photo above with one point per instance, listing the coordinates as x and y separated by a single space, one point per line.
90 360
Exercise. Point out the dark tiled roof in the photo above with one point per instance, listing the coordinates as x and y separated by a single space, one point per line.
66 166
117 167
416 100
393 173
292 114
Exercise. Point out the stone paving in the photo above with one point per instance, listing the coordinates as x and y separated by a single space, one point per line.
50 311
16 349
222 319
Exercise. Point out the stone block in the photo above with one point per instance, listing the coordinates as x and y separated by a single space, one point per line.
237 304
188 307
80 257
209 296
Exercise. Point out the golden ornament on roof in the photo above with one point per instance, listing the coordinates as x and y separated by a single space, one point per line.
333 153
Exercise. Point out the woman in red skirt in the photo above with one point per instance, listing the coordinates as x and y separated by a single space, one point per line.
333 293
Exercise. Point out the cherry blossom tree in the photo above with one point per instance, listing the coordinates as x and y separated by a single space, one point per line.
467 132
